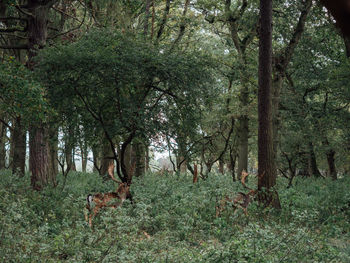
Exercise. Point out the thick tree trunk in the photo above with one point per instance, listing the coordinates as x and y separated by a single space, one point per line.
40 159
266 169
19 148
130 159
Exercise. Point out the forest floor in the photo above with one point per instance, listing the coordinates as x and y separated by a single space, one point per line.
173 220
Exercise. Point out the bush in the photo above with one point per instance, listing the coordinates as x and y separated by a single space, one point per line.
173 220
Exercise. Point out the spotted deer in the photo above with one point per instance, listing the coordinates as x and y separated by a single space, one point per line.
241 200
95 202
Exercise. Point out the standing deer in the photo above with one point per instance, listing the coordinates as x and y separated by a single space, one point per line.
100 200
241 200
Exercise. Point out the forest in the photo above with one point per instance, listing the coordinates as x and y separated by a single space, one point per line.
174 131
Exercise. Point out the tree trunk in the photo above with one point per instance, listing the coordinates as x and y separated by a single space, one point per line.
84 155
96 152
107 157
53 144
130 159
69 148
147 159
347 45
181 164
40 159
332 172
147 15
2 146
195 173
232 164
313 169
266 169
243 145
221 166
276 116
140 159
19 148
280 65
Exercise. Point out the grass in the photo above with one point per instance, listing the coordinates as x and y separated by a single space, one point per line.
173 220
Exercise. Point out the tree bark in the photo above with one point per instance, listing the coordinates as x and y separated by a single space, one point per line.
84 155
19 148
96 152
107 157
330 153
243 145
266 168
332 172
40 157
313 169
232 164
195 173
140 159
69 147
181 164
130 159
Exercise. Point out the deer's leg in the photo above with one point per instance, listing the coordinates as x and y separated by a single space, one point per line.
93 214
86 214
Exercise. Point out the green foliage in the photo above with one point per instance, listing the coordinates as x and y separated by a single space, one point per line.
179 218
123 85
21 95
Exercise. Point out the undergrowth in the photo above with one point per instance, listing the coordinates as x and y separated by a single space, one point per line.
173 220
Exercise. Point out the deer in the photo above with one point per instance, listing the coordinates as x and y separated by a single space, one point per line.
241 200
95 202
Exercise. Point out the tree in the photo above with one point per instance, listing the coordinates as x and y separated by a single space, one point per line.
25 32
267 168
136 84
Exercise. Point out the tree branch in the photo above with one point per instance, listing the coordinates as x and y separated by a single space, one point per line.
164 20
24 46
